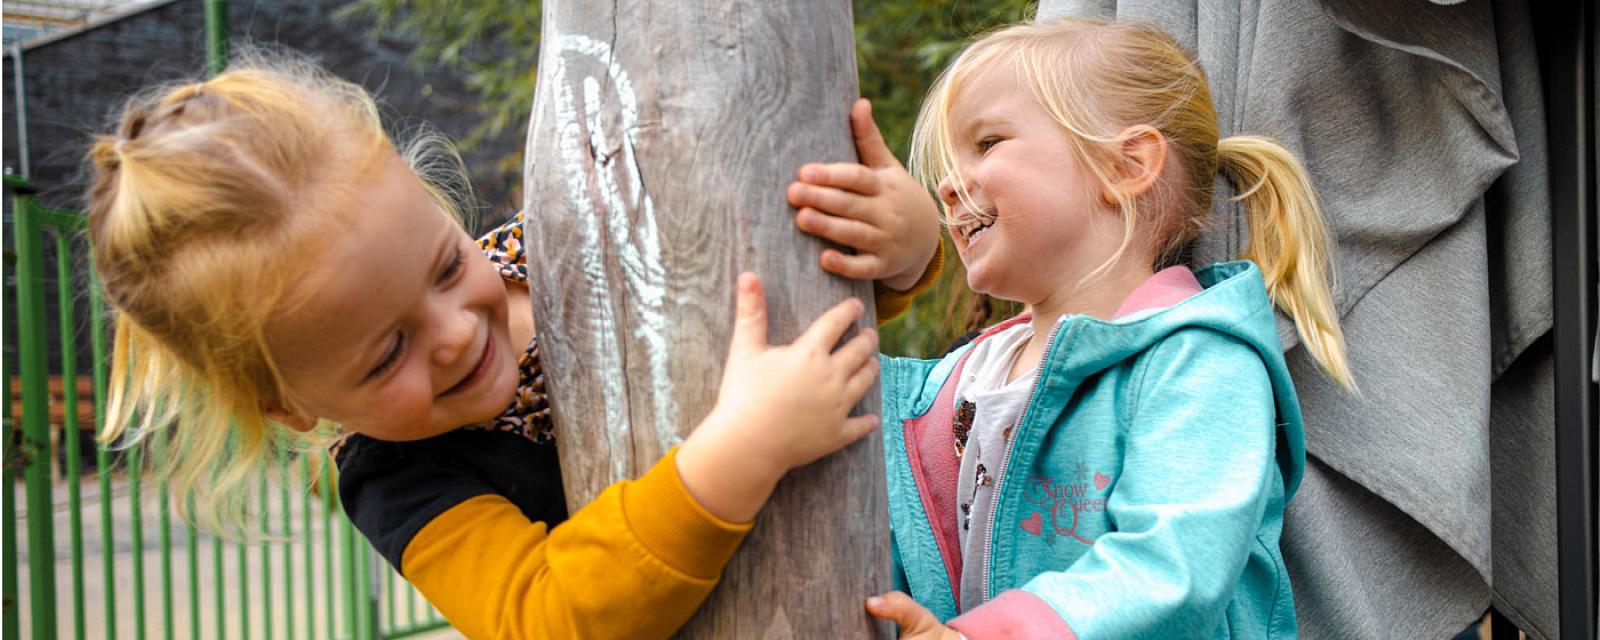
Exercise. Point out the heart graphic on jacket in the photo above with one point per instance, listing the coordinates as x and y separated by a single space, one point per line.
1034 524
1101 480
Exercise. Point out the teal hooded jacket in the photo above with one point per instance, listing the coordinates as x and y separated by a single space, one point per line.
1143 492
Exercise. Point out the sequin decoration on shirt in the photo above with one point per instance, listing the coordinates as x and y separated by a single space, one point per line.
962 427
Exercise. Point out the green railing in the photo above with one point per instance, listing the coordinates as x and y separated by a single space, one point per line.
315 577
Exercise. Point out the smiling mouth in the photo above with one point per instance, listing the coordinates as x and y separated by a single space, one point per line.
975 224
478 371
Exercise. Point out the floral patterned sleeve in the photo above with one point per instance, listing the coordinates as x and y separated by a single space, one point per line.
529 413
503 246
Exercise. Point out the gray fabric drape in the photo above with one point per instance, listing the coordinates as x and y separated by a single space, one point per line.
1433 493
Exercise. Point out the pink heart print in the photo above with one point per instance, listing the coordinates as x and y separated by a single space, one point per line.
1101 480
1034 524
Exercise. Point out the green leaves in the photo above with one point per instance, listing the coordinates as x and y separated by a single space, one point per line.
493 44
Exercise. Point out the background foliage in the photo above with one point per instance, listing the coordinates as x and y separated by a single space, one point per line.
900 47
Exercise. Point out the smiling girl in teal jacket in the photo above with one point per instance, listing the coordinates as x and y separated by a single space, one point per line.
1114 464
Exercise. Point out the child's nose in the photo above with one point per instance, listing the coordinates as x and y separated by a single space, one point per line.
457 336
947 191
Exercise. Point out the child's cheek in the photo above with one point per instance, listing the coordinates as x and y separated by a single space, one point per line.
406 404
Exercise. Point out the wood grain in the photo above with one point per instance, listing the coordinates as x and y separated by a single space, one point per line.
663 137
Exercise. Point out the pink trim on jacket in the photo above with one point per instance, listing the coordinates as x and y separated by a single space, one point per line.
930 448
1013 615
1165 288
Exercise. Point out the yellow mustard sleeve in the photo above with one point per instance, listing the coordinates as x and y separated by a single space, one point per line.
891 303
635 563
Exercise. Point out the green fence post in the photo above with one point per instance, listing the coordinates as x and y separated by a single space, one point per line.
70 433
311 581
244 590
35 449
352 581
135 471
216 36
12 616
266 563
385 599
222 586
164 509
410 598
330 504
102 458
194 574
368 593
288 549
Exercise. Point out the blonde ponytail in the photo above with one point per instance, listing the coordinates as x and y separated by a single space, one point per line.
208 447
1290 242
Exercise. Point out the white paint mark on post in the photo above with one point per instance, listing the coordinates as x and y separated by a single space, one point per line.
636 244
608 355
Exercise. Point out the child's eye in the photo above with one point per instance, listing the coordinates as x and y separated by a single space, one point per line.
389 357
451 268
985 144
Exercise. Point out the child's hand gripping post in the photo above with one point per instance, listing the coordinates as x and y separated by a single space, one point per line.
779 407
916 621
875 208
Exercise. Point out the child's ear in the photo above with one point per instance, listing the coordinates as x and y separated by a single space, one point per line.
1142 154
291 419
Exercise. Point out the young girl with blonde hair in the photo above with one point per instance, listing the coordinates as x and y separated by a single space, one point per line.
278 267
1115 463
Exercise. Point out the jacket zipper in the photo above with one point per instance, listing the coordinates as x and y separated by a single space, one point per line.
1005 461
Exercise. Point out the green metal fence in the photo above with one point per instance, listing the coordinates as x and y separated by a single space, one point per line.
158 577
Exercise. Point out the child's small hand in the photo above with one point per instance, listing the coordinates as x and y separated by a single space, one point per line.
779 407
875 208
916 621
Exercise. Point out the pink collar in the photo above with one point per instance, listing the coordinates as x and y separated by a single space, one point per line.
1166 288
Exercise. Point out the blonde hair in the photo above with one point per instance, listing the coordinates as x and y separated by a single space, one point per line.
204 207
1096 79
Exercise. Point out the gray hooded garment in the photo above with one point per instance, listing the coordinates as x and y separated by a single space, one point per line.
1432 495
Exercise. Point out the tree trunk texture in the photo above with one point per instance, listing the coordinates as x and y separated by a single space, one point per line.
663 137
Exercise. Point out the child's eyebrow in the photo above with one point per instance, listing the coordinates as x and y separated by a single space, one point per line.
979 123
440 256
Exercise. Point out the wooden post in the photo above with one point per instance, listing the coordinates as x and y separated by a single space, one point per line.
663 137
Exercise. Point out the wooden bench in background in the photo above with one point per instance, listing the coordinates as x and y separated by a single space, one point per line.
57 409
57 402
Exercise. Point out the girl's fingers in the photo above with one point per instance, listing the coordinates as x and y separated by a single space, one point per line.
830 326
862 266
861 380
857 351
845 231
750 315
847 176
869 142
857 427
900 609
835 201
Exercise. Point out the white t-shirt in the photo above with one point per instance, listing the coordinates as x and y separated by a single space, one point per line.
997 405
